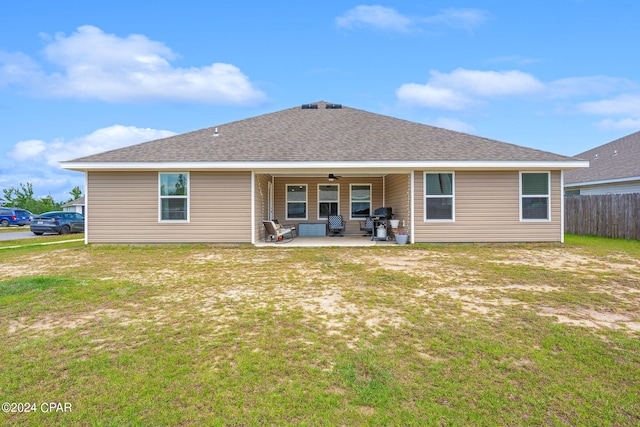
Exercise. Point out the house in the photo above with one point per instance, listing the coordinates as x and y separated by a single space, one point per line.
614 169
76 205
298 165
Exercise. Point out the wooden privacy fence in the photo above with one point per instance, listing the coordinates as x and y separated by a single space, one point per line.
605 215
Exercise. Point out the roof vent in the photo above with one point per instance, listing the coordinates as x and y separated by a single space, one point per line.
334 106
615 152
309 106
215 133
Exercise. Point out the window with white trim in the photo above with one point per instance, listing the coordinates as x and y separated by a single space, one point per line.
174 196
535 196
360 200
439 196
328 200
297 201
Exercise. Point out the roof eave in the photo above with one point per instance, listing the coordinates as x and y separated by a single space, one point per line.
603 181
354 165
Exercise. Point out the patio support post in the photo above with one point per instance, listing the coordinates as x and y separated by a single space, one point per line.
562 206
413 203
253 207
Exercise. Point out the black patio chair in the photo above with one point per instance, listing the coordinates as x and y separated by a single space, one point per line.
336 225
367 226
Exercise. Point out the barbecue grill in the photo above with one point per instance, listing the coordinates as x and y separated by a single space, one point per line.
383 213
381 217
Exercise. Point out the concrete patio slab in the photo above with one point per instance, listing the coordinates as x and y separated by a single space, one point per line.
328 241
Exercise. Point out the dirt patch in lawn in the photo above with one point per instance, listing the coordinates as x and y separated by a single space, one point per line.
592 318
50 324
219 285
464 285
433 267
561 259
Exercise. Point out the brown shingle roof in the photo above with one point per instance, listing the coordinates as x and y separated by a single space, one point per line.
616 160
323 135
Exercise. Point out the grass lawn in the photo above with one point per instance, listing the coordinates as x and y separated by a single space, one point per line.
452 335
13 229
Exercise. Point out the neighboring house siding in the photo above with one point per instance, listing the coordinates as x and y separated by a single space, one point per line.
353 226
614 188
123 208
398 196
74 208
487 209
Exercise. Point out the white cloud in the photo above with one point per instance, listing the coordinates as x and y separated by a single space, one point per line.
104 66
17 68
466 19
590 85
36 161
462 88
432 96
109 138
453 124
381 17
487 83
25 150
627 124
626 104
386 18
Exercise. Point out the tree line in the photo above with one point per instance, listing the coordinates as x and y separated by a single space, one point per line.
23 197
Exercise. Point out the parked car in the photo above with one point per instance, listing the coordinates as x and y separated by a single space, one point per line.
13 216
58 223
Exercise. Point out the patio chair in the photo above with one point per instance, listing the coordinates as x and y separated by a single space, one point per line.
336 225
275 233
367 226
292 227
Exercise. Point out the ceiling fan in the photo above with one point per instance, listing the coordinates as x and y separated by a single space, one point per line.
333 177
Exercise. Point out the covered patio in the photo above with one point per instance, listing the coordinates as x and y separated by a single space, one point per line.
307 198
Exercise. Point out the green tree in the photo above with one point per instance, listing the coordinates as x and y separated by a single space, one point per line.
76 193
22 197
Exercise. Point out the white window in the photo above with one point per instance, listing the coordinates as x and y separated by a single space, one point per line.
439 191
297 201
328 200
174 197
535 196
360 200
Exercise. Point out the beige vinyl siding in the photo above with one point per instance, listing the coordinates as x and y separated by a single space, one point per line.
487 209
123 208
398 196
353 226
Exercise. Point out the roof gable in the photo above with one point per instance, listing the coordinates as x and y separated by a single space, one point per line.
615 160
322 135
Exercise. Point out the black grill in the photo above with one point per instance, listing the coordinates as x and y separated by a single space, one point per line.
383 213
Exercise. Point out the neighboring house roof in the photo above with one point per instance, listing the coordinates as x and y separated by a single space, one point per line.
616 161
330 135
77 202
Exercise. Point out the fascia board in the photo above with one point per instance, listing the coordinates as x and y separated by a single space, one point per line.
604 181
305 166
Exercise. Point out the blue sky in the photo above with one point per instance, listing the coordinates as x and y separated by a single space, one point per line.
84 77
